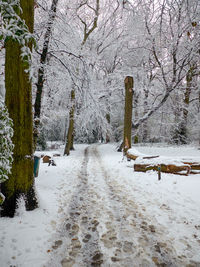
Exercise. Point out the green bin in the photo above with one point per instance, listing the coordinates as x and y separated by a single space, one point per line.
36 165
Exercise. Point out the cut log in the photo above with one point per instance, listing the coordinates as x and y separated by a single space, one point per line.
46 159
134 157
184 169
193 165
144 167
130 156
144 163
134 154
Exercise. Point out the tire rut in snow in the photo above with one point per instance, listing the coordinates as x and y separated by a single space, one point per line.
81 226
151 248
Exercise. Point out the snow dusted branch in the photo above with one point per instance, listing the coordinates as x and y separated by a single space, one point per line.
87 30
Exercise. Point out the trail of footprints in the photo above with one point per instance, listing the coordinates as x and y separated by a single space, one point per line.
96 240
82 235
81 227
151 247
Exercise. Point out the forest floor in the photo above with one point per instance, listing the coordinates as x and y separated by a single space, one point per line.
96 211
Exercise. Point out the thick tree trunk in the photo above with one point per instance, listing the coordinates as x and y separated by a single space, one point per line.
70 134
181 132
72 140
128 113
41 71
19 103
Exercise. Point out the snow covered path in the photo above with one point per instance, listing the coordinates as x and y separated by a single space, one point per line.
96 211
106 225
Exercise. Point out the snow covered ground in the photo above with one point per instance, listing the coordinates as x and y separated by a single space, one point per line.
95 210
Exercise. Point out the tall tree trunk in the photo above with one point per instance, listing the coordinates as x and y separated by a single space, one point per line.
87 31
135 107
65 131
128 112
108 121
70 133
145 124
19 103
72 140
41 71
189 84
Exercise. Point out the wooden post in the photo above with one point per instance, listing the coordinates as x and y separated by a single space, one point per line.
70 137
128 112
159 172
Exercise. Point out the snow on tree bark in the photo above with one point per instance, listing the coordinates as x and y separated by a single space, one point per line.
128 112
19 103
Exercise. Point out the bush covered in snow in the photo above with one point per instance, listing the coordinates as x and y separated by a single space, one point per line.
6 145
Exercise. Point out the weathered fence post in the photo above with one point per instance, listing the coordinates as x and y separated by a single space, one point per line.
128 112
159 172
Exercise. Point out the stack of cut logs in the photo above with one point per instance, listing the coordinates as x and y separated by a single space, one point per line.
185 167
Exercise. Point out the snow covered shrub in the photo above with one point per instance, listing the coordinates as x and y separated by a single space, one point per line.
6 145
21 206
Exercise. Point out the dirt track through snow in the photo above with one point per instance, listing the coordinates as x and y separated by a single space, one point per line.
105 226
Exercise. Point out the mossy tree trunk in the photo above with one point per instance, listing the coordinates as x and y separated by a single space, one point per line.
70 133
19 103
128 113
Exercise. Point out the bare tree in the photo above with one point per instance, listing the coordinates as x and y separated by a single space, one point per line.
41 69
169 56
